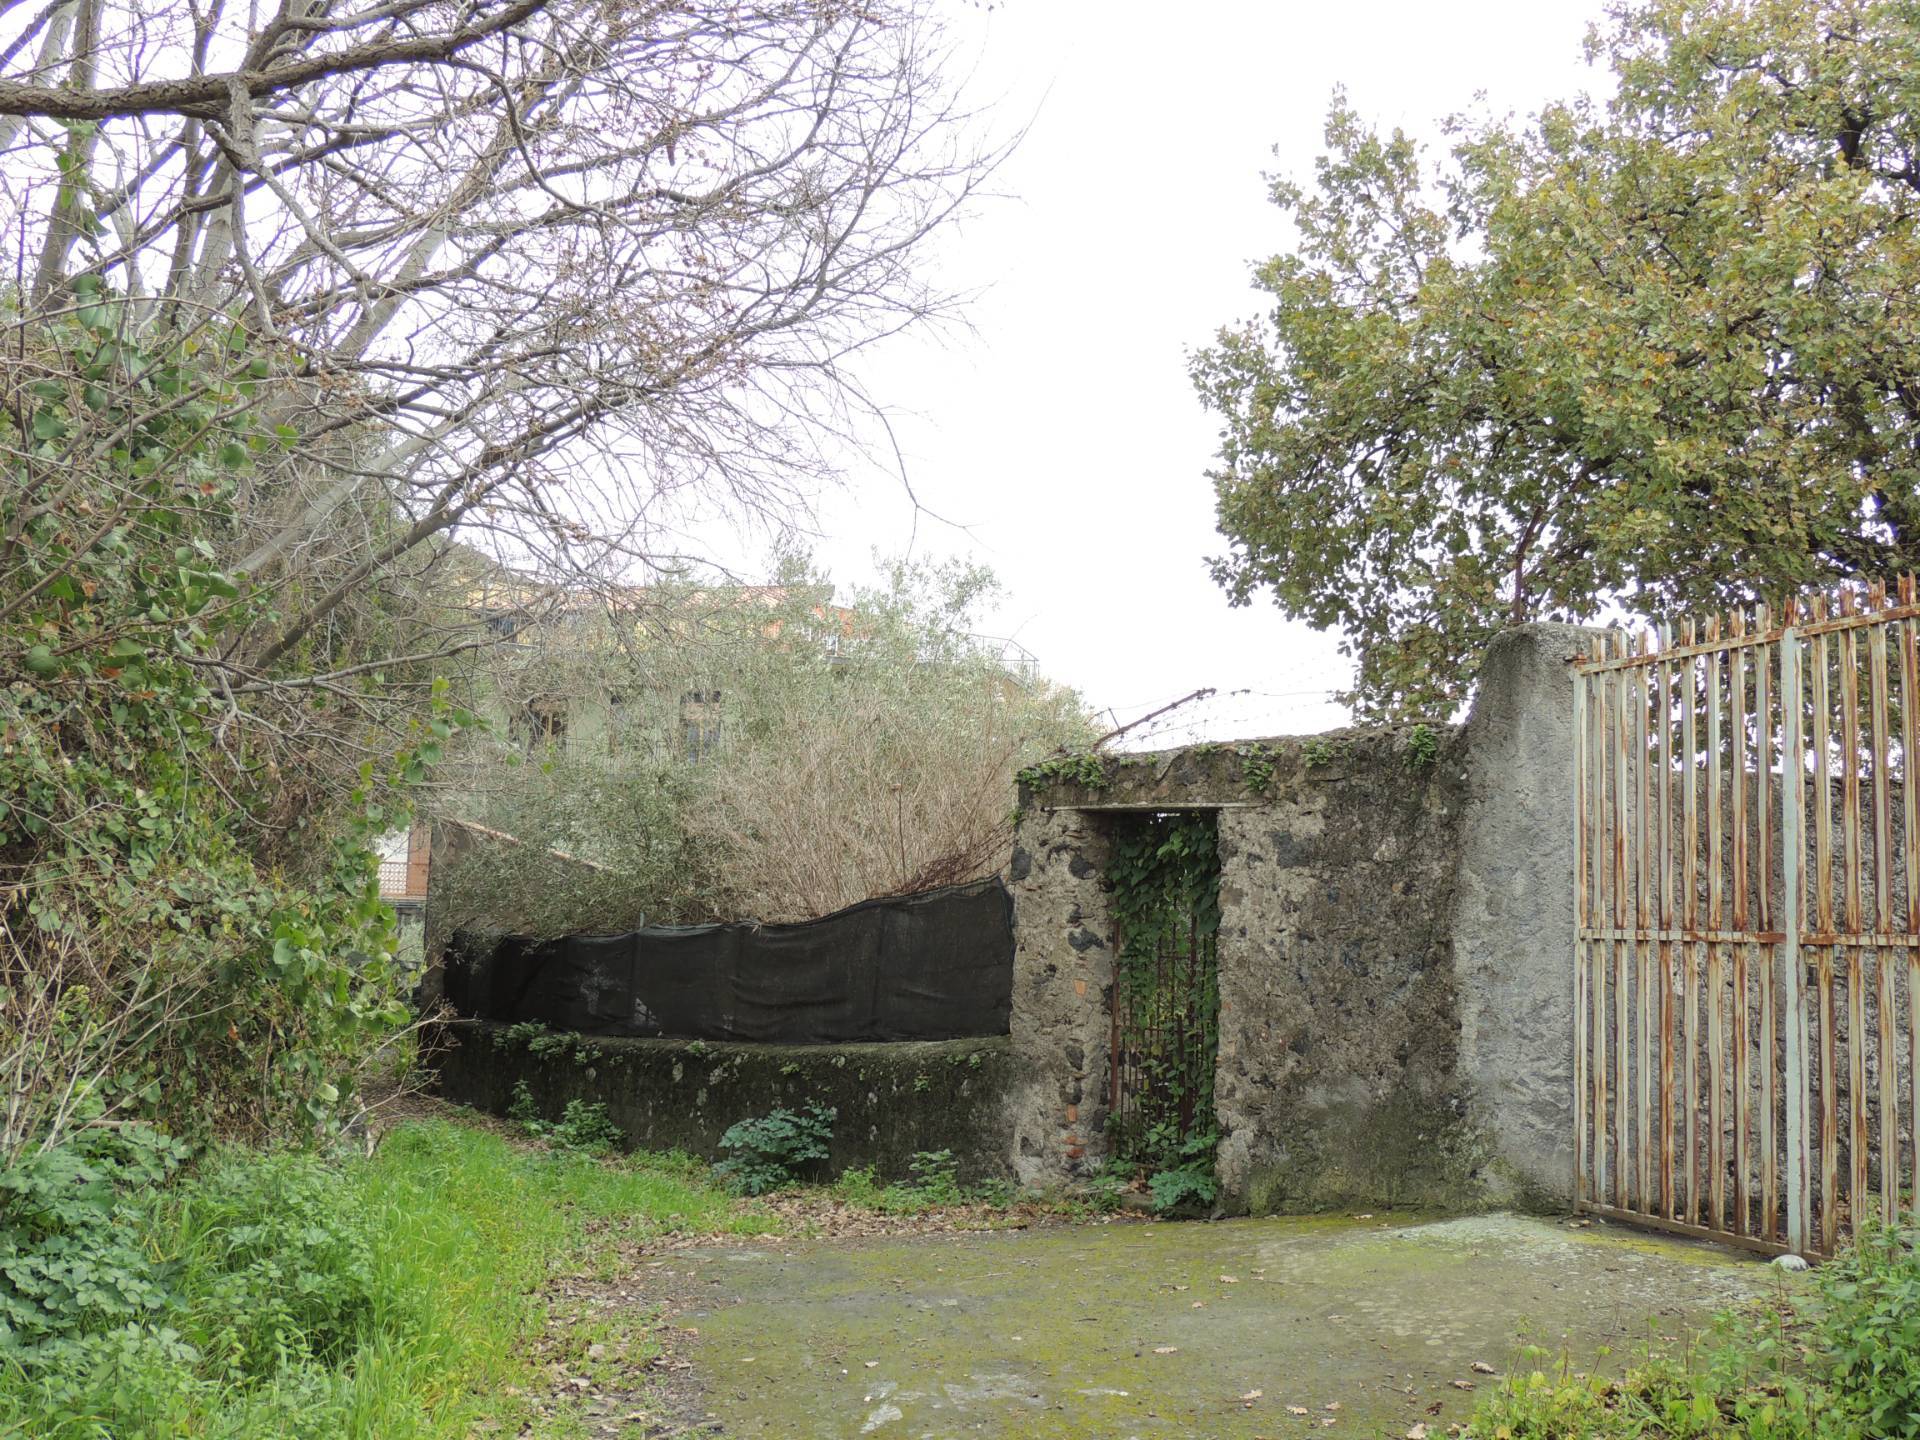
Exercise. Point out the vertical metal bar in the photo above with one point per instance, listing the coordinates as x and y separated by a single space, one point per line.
1663 759
1601 872
1764 954
1583 922
1910 854
1742 1079
1643 1193
1886 1058
1716 952
1622 834
1822 737
1690 897
1793 868
1852 823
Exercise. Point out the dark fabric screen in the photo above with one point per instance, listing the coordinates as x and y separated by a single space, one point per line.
932 966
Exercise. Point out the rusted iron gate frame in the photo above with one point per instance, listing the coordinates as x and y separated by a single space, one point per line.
1174 1030
1648 961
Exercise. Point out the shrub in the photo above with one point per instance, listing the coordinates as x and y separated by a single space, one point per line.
775 1150
1869 1330
70 1258
277 1261
936 1176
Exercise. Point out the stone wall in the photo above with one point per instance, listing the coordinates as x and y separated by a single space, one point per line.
1395 952
893 1099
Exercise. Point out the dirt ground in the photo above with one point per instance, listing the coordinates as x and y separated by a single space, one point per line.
1361 1326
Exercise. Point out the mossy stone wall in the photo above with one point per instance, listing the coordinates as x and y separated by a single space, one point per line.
893 1099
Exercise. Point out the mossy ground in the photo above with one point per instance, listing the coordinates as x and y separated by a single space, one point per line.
1168 1330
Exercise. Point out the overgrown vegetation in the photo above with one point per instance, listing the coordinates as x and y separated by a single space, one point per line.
390 1298
768 752
777 1149
1164 876
1842 1363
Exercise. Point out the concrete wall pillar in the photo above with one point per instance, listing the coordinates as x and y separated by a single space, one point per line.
1513 925
1062 987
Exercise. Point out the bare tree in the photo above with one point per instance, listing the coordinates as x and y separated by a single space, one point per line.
553 276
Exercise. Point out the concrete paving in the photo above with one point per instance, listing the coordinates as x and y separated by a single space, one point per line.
1360 1326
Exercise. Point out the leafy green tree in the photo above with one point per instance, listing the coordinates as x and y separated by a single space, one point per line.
1660 353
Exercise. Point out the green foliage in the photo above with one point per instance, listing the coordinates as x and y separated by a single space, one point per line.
1188 1186
1256 767
776 1149
936 1175
1164 878
191 902
1423 747
390 1298
1838 1365
1318 752
1655 351
584 1127
1085 770
70 1259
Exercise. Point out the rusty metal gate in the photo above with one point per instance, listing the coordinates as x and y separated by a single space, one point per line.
1166 993
1747 968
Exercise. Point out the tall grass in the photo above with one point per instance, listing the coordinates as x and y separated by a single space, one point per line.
391 1298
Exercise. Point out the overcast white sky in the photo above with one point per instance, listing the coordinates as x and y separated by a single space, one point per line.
1063 432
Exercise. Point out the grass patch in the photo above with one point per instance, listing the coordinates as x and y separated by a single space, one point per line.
391 1298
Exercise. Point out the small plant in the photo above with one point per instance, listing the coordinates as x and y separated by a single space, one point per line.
858 1185
586 1128
1423 747
776 1149
583 1126
1319 752
523 1110
1083 770
922 1083
1256 767
936 1176
1187 1183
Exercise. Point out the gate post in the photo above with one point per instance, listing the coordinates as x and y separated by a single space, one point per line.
1793 789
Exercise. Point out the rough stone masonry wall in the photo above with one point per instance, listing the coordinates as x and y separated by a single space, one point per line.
1395 952
1336 1078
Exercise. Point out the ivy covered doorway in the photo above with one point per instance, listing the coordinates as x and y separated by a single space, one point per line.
1164 875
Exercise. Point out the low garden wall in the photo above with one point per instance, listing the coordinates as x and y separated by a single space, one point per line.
893 1099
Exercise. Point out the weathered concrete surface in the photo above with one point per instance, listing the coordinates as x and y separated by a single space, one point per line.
893 1099
1513 921
1169 1330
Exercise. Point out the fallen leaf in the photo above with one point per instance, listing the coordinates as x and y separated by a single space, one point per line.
1166 1349
1463 1385
1480 1367
1251 1395
1418 1432
1298 1410
1333 1405
1229 1279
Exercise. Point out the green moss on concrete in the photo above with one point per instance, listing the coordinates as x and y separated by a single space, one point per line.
894 1100
1163 1331
1408 1151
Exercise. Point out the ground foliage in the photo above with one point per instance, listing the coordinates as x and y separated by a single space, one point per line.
1840 1361
1661 351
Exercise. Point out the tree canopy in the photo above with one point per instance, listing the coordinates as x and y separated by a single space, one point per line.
1659 352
